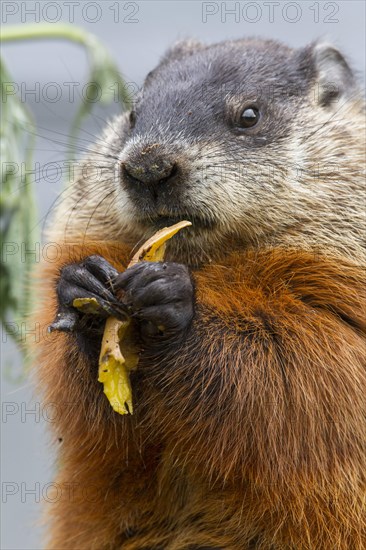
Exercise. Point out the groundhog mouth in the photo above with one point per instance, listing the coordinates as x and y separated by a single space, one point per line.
158 221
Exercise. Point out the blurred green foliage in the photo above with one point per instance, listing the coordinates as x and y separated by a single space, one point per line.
18 212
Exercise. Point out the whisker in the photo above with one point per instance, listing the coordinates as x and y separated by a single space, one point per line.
88 191
95 209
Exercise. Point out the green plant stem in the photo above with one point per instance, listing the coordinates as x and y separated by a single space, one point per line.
104 70
17 204
38 31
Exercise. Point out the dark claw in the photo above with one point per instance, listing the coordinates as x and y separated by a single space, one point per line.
65 321
150 270
79 277
160 297
101 269
91 278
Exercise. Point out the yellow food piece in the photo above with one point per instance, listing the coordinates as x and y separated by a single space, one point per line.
153 249
118 356
86 305
114 367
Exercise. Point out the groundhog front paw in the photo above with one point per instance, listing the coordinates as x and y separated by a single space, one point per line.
92 278
160 295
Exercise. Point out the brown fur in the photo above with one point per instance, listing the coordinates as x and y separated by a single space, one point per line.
249 433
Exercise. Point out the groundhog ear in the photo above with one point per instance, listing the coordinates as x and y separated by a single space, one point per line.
334 76
181 48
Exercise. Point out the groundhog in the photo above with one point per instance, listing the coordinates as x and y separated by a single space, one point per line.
250 394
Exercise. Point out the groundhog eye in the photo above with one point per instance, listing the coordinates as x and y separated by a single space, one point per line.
249 117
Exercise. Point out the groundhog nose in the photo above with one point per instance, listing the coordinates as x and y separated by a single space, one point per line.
158 170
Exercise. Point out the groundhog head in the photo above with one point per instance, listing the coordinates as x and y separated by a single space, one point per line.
234 137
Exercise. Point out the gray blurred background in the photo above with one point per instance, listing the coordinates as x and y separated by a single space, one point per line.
136 33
